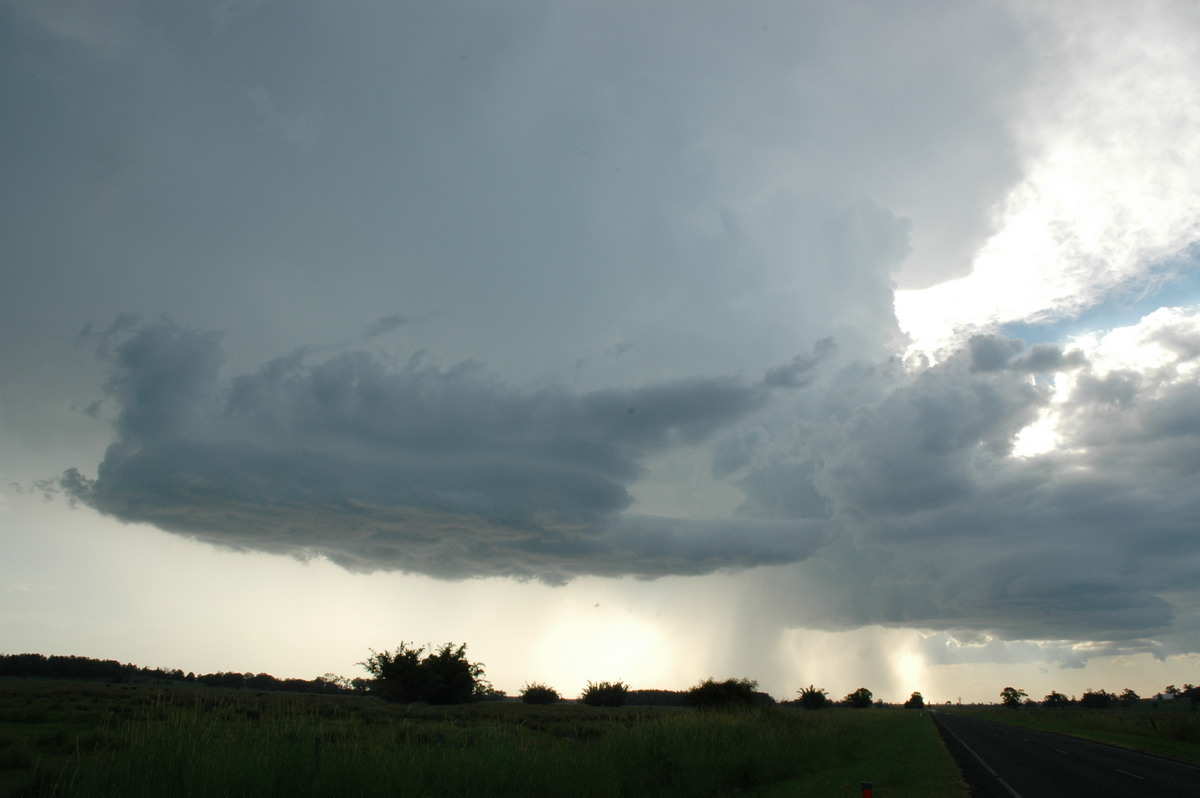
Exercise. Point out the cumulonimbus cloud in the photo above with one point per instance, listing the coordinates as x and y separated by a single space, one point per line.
919 488
451 472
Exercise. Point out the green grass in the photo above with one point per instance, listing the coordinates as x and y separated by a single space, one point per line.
1172 732
137 740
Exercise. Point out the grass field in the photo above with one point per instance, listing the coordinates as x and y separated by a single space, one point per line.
1169 731
66 738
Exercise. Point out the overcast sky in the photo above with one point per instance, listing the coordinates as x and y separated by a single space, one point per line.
846 343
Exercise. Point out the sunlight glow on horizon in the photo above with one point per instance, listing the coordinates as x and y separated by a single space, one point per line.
578 647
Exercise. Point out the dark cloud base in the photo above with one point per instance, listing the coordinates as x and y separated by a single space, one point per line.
448 472
907 508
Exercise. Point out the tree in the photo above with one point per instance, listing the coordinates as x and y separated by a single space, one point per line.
859 699
538 693
711 694
450 677
1098 699
1055 700
1012 696
813 697
484 691
1128 698
397 675
605 694
444 676
915 701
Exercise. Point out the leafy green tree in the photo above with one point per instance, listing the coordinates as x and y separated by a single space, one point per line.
711 694
450 678
485 691
915 701
605 694
1098 699
538 693
1012 697
1128 698
1055 700
813 697
859 699
444 676
397 675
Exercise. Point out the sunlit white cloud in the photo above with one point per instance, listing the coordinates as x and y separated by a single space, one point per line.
1106 196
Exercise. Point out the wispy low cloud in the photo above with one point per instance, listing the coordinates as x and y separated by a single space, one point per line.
451 472
387 324
394 321
802 370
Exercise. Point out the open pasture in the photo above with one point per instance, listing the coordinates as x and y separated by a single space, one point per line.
61 738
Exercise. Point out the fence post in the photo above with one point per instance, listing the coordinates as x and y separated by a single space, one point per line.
866 789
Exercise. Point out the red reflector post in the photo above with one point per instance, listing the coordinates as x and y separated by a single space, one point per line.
866 789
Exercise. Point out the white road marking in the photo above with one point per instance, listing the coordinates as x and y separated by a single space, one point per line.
986 766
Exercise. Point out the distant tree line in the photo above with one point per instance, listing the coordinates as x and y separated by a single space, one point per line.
445 675
1015 698
109 670
442 675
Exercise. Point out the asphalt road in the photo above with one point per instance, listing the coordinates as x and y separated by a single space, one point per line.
1003 761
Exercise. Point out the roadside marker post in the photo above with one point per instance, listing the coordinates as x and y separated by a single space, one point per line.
866 789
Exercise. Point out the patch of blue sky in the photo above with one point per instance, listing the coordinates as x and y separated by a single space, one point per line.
1173 283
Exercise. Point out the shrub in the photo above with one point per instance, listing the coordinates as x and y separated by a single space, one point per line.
538 693
860 698
813 697
711 694
1055 700
1098 699
444 676
605 694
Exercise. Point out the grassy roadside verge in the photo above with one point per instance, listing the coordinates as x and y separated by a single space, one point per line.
81 739
1167 733
898 750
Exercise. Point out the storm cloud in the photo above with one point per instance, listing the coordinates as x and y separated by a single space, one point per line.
681 295
452 471
952 526
456 472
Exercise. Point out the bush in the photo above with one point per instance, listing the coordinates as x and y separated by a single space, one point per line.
605 694
813 697
860 698
444 676
1098 699
538 693
1055 700
711 694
